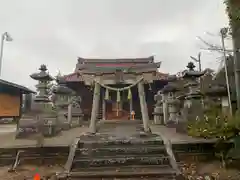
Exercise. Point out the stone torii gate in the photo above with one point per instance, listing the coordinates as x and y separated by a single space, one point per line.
133 79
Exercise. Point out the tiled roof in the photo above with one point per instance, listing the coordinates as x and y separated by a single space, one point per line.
23 89
161 76
116 60
73 77
76 77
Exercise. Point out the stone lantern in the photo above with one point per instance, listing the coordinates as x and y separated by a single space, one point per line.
193 106
47 117
172 103
61 98
75 113
43 79
158 109
219 92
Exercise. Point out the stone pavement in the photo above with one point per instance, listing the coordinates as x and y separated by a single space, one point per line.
121 129
177 138
65 138
7 128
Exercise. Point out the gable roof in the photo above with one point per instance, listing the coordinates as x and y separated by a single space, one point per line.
21 88
81 60
77 77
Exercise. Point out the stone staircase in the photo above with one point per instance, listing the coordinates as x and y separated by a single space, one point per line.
107 156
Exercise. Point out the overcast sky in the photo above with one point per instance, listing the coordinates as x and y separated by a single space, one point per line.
56 32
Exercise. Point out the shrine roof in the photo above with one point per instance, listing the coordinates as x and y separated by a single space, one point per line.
86 69
112 68
92 66
77 77
81 60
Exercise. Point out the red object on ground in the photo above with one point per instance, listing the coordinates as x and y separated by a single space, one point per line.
36 177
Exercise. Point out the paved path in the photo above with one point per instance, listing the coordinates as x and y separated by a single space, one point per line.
177 138
120 129
65 138
7 128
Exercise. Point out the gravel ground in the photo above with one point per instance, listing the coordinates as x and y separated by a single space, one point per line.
208 171
192 171
28 172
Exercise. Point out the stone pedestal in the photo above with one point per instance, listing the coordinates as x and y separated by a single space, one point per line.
75 114
50 126
158 116
216 92
77 119
27 126
173 110
158 109
63 121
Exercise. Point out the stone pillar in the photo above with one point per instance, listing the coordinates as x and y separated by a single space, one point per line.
130 107
103 109
143 104
69 115
95 108
165 108
121 105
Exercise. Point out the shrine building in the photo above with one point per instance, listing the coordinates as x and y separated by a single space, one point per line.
118 81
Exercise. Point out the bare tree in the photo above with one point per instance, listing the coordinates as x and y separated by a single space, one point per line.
213 47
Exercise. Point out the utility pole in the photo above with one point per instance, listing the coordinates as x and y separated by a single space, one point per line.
198 60
223 33
236 59
5 37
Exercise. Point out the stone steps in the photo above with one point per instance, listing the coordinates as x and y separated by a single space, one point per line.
120 143
123 151
99 152
119 161
127 172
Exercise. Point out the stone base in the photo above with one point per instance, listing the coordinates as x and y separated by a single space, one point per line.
158 121
50 131
65 126
27 127
26 132
171 124
76 122
182 128
63 123
51 127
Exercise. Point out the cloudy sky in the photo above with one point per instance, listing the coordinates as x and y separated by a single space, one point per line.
56 32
